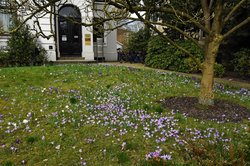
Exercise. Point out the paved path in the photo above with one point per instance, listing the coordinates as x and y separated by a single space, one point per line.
227 81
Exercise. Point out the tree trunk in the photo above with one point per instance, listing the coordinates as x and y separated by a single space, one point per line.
206 96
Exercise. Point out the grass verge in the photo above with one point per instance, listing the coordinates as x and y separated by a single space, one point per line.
107 115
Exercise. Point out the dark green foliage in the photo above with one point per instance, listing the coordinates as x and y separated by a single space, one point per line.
132 146
123 157
146 107
108 86
23 49
31 139
159 109
157 53
73 100
3 58
8 163
138 41
241 62
41 58
165 56
219 70
237 40
189 65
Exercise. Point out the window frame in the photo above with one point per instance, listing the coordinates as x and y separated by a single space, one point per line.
4 8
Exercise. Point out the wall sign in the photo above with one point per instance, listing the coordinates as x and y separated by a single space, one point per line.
87 39
64 38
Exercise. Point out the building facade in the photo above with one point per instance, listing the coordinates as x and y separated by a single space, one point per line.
69 39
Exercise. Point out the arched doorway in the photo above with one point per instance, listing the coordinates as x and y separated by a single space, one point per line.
70 33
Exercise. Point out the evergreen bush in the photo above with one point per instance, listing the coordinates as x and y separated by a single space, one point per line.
23 49
219 70
161 54
241 62
3 58
138 41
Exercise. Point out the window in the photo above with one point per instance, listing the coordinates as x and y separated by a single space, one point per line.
5 17
70 11
5 21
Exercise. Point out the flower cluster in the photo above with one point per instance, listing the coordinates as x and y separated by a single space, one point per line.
158 156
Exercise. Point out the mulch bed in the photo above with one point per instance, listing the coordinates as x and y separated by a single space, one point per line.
222 111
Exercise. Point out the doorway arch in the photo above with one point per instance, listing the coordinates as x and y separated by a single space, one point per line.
69 31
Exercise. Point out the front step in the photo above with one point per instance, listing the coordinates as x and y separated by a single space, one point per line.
70 60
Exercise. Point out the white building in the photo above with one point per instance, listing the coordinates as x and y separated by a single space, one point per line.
69 39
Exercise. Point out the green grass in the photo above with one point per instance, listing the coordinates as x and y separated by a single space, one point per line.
106 115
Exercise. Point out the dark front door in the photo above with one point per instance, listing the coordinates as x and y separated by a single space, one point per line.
70 32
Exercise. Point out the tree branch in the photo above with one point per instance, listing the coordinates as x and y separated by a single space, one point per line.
182 14
164 36
159 9
40 9
207 14
235 8
217 20
178 30
246 21
211 4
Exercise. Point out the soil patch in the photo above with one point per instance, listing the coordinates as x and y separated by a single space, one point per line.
222 111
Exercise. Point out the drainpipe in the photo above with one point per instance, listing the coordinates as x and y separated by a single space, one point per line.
56 30
55 26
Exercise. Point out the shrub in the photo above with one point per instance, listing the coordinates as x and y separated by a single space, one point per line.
161 54
3 58
241 62
157 53
137 46
190 66
23 49
41 57
138 41
219 70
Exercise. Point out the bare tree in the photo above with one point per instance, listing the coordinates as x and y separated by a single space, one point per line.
209 16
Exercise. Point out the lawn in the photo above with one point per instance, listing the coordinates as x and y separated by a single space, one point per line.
106 115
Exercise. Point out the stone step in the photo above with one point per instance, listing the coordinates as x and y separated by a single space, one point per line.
73 61
70 60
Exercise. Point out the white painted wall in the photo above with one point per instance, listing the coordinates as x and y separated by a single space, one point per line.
47 28
3 42
51 46
110 38
110 49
